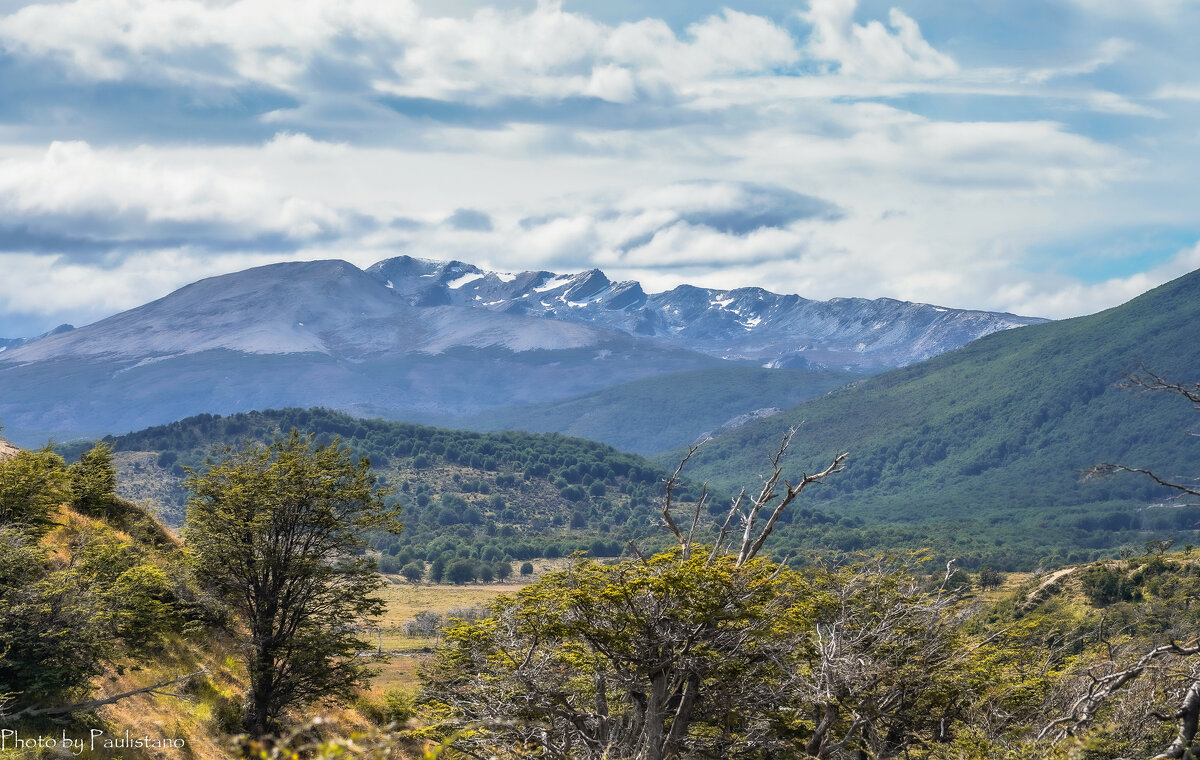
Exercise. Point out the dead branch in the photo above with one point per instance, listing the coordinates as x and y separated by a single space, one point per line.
1107 470
1188 716
1150 381
719 544
671 484
34 712
751 548
1104 687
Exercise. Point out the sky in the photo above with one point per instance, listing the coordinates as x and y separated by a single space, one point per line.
1032 156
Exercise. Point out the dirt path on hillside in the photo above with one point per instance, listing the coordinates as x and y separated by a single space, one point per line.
1050 581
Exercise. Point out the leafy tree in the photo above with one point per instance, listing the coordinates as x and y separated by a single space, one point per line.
526 568
686 653
413 571
94 481
277 530
437 571
461 571
990 578
143 602
52 636
32 485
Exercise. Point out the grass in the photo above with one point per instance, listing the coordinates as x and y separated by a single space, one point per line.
404 600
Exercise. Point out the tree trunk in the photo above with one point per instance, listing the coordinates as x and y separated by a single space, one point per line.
1189 718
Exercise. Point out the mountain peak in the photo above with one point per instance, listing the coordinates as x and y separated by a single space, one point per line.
746 323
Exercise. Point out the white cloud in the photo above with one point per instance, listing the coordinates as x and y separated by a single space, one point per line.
73 189
870 50
119 39
1109 52
1177 92
1064 296
82 292
299 146
944 192
544 53
1109 102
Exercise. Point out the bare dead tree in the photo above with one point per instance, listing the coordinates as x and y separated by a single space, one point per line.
744 508
1104 683
882 645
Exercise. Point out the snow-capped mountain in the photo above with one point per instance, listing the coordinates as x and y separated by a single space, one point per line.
9 343
418 340
746 324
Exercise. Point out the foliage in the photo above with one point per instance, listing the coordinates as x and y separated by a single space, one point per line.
978 451
94 481
276 530
52 632
32 484
413 571
689 652
465 494
611 660
62 621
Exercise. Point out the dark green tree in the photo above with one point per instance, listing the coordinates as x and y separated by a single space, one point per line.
51 637
461 571
278 531
413 571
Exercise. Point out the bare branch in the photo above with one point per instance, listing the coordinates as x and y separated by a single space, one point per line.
638 552
735 509
696 517
1107 470
765 496
671 484
1105 686
1150 381
33 712
1188 716
837 465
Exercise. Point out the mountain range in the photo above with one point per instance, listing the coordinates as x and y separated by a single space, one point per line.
421 340
747 324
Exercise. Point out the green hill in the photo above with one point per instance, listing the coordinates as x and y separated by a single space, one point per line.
663 412
486 496
978 452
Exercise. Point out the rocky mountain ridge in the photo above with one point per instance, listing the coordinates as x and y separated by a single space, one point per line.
741 324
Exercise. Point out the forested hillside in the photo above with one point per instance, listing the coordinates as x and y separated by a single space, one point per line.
98 614
484 495
980 452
